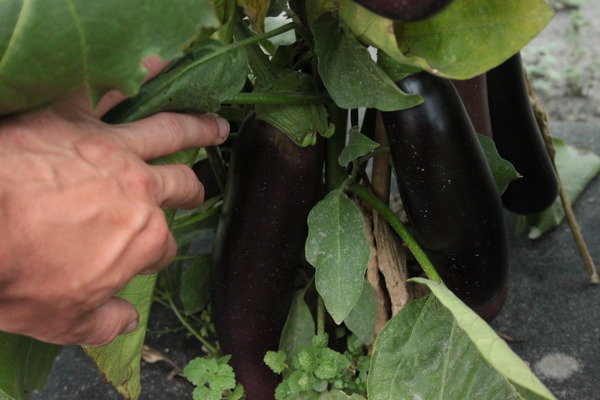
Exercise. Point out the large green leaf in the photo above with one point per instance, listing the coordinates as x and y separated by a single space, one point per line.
577 166
422 353
349 73
210 73
491 347
119 361
24 365
465 39
338 249
49 48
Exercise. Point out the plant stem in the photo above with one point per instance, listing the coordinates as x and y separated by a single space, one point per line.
320 316
281 98
394 221
541 117
577 235
335 174
209 346
267 35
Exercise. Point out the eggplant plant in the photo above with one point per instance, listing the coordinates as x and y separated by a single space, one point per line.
280 294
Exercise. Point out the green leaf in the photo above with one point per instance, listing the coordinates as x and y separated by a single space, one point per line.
119 361
503 171
358 146
337 247
421 353
24 365
276 360
349 73
339 395
491 347
466 39
301 122
208 74
299 327
214 374
577 167
49 48
362 318
195 280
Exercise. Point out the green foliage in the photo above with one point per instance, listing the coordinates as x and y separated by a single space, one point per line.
299 327
208 74
467 38
349 73
577 167
213 378
49 48
318 371
358 145
503 171
362 318
492 348
303 122
24 365
338 249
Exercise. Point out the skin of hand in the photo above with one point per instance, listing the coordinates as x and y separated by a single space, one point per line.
81 213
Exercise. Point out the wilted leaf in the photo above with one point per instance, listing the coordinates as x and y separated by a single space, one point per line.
119 361
338 249
256 10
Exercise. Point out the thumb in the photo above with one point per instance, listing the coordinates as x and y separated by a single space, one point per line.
115 317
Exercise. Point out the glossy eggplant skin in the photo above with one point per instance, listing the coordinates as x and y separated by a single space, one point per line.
518 139
448 192
405 10
271 186
473 93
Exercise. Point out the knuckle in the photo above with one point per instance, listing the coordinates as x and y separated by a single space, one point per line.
139 179
173 127
97 149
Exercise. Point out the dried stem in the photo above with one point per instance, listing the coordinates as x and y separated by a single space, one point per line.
542 120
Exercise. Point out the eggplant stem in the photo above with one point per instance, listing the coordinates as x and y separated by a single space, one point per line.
396 224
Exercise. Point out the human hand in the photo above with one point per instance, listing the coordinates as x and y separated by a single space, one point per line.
81 213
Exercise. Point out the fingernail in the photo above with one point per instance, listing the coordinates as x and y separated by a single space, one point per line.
131 327
223 126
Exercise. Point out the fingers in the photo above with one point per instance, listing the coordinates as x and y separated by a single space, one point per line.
115 317
168 133
177 187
